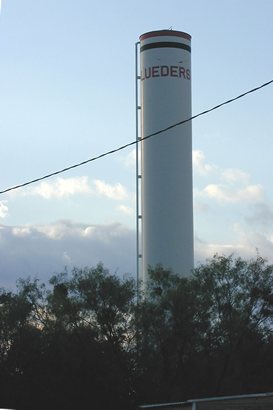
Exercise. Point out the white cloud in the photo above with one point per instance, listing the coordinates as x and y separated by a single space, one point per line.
130 159
58 230
262 216
21 231
246 234
62 187
201 206
234 175
228 175
56 189
3 209
117 192
204 250
46 249
199 164
126 209
67 258
246 246
223 193
252 240
66 187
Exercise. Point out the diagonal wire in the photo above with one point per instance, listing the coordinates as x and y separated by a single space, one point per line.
122 147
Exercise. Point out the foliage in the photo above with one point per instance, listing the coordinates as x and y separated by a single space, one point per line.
84 341
209 334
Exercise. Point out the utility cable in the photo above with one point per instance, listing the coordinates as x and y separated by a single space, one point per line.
122 147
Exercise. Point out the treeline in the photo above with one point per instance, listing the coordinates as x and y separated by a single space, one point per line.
83 341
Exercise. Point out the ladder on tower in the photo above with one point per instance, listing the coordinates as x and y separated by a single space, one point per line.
138 172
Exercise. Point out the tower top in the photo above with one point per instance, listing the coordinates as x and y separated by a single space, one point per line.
158 33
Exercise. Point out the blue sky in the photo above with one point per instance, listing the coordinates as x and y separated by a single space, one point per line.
67 94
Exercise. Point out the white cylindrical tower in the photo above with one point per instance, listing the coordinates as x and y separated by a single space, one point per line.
166 187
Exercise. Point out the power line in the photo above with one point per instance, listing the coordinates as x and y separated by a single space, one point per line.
122 147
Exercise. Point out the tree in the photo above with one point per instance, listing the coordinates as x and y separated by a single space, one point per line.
84 341
94 309
240 296
69 343
206 335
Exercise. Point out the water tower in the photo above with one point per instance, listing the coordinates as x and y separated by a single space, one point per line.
165 198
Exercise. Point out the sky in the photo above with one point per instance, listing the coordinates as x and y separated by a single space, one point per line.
67 93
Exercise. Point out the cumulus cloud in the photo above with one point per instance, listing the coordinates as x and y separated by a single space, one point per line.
201 207
253 240
20 231
261 216
130 159
204 250
47 249
125 209
229 176
3 209
234 175
56 189
117 191
67 187
43 250
246 245
199 164
223 193
250 219
62 187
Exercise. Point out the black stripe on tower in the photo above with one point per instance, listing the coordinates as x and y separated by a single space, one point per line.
163 44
